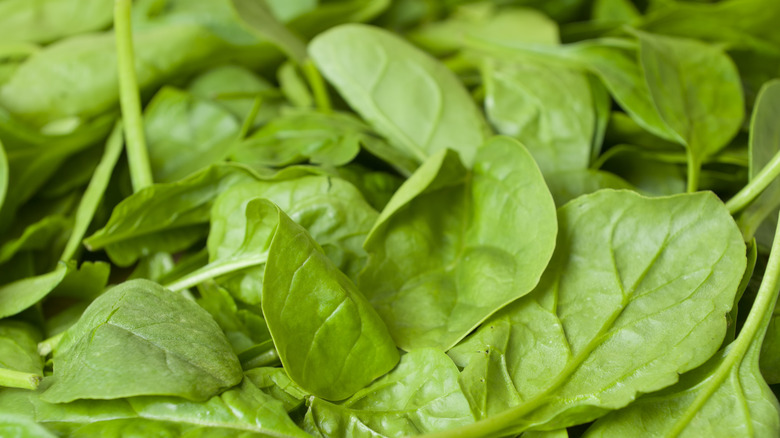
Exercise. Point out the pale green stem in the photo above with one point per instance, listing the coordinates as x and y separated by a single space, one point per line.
94 192
318 88
18 379
129 99
694 169
211 271
249 121
46 346
756 185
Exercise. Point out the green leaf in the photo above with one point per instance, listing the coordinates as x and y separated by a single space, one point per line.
331 342
329 139
626 304
244 408
565 186
14 426
142 224
184 134
549 108
696 89
727 396
140 339
21 294
257 16
420 395
442 241
369 66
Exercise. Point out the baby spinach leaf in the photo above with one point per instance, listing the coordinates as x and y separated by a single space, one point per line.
276 383
485 20
625 305
21 294
330 139
441 242
257 17
697 92
140 339
142 224
704 400
185 134
20 364
331 342
549 108
369 65
420 395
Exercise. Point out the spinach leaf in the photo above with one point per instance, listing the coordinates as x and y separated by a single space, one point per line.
329 139
21 427
594 333
549 108
331 342
420 395
142 224
368 66
440 243
185 134
703 401
697 92
140 339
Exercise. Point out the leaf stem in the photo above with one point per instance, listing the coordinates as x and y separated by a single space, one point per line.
756 185
755 325
19 379
215 270
46 346
129 99
94 192
321 97
694 169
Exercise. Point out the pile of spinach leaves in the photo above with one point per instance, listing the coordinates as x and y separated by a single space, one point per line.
365 218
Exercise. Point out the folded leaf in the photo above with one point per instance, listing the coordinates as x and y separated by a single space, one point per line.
449 235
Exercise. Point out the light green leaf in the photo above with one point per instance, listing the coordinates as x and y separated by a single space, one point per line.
725 397
330 139
369 66
184 134
50 20
21 294
441 242
420 395
20 364
331 342
626 304
3 174
257 17
549 108
140 339
696 89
